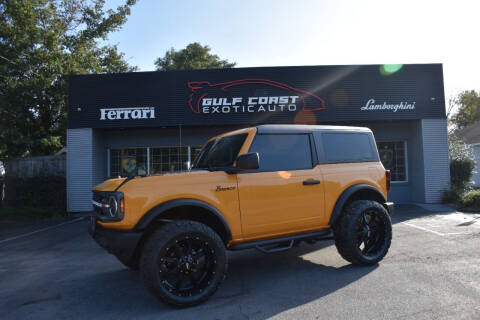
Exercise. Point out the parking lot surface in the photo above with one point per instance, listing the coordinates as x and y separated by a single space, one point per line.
432 271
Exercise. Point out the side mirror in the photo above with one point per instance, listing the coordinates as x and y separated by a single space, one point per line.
248 161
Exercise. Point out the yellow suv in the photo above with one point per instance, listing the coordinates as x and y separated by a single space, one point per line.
266 187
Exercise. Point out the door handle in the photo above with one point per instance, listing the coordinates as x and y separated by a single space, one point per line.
310 182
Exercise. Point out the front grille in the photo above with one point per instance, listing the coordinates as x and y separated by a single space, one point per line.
98 197
98 210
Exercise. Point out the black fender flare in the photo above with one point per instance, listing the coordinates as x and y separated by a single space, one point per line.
337 210
157 211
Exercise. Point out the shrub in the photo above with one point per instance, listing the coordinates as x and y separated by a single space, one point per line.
39 191
452 196
461 172
471 199
31 213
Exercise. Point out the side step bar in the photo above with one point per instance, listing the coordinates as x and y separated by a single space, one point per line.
282 243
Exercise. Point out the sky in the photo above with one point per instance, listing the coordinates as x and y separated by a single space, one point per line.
308 32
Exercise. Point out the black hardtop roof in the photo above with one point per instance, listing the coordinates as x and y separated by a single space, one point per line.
304 128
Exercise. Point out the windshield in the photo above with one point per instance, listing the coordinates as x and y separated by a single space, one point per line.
221 152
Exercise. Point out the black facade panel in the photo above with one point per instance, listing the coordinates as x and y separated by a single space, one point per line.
247 96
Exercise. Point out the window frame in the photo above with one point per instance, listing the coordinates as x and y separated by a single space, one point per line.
313 153
405 145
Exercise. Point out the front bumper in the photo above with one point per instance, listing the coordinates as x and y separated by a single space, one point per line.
121 243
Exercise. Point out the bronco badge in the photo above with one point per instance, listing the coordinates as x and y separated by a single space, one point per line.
220 188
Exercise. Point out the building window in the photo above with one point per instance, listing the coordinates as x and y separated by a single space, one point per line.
394 158
155 160
125 161
168 159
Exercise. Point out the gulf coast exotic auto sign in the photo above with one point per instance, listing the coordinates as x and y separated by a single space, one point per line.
207 98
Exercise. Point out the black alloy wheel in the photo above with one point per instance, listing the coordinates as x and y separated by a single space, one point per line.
364 233
186 265
370 233
183 263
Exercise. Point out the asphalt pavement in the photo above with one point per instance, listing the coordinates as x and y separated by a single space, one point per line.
432 271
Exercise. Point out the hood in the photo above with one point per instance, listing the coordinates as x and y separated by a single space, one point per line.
109 185
112 184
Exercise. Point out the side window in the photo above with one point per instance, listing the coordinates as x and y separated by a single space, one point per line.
221 152
341 147
282 151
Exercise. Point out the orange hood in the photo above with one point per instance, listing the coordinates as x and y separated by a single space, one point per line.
109 185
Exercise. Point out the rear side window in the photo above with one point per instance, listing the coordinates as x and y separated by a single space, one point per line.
341 147
279 152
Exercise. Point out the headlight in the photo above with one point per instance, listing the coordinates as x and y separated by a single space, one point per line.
110 206
112 209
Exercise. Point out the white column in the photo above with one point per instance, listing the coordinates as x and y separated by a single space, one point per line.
436 164
79 169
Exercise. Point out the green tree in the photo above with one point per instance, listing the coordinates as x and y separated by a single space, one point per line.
462 161
468 113
41 42
194 56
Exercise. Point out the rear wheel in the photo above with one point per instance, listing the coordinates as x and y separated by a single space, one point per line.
364 233
183 263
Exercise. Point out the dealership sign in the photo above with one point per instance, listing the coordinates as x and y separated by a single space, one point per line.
251 104
127 113
251 96
207 98
394 107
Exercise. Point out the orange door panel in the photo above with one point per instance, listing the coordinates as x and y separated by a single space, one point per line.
279 202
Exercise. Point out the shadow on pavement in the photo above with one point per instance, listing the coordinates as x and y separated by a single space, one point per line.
259 284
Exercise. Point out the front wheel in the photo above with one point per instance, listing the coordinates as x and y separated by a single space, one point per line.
364 233
183 263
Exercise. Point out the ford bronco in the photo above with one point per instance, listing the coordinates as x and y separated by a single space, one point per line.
267 187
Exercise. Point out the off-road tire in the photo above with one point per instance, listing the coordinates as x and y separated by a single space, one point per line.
346 232
160 242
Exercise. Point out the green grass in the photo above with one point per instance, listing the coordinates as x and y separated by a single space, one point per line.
32 213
